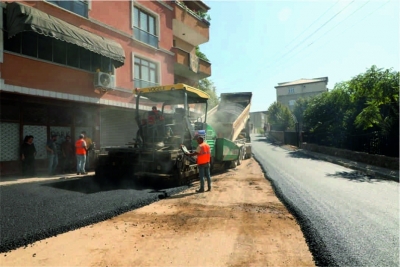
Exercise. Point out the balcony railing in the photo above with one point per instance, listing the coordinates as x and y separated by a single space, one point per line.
191 12
145 37
189 66
143 84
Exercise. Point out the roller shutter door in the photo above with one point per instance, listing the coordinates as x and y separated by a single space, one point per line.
117 127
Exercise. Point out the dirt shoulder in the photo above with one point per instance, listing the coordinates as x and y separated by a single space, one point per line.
239 223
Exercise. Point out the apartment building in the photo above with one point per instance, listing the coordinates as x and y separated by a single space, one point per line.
190 30
69 66
258 119
288 92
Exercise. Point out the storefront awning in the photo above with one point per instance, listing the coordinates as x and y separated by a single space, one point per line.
24 18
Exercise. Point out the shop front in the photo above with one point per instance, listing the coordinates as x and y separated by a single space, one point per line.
23 115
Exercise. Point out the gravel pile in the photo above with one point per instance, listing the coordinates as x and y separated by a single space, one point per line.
34 211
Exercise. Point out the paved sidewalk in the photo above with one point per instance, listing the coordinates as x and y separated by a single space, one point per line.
374 171
18 179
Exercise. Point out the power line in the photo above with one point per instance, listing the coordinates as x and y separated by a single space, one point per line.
317 29
313 23
318 48
306 28
329 30
346 29
276 55
340 22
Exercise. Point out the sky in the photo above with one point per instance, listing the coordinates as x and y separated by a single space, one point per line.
254 45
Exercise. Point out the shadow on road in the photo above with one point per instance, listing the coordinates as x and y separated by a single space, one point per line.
355 176
88 185
266 140
300 155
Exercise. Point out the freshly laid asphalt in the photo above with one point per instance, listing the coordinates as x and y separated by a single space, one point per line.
35 211
348 219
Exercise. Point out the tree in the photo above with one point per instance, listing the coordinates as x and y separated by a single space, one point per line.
357 112
329 114
207 86
378 89
299 108
280 117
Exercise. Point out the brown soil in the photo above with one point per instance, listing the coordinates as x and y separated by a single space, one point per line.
239 223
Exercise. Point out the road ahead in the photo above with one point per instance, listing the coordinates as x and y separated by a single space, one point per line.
347 218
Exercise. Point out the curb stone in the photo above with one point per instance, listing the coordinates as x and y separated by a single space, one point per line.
376 174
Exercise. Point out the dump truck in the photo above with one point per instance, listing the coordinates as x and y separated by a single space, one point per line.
157 153
229 123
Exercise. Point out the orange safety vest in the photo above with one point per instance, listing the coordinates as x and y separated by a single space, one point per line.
205 154
80 150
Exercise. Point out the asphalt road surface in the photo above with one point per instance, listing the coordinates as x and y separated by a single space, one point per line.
34 211
348 219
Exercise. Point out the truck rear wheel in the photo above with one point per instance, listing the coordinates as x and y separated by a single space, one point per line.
230 164
241 156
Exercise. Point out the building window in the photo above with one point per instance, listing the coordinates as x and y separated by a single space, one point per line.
292 102
146 73
291 90
144 27
52 50
79 7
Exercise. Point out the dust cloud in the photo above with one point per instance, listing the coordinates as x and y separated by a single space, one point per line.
223 118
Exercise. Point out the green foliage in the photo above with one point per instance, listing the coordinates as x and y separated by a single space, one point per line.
201 14
280 116
368 102
204 15
379 90
201 54
299 108
207 86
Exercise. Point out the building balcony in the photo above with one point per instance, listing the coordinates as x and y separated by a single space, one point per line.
189 26
190 66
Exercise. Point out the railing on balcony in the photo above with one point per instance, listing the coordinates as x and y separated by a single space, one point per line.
145 37
143 84
195 64
191 12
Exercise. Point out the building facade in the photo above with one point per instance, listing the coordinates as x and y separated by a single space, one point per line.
258 119
288 92
190 31
69 66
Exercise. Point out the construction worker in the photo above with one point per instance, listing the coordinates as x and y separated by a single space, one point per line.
203 153
89 149
80 151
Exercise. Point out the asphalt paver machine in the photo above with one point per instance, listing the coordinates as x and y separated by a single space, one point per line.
155 156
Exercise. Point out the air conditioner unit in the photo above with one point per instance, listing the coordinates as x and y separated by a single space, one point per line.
104 81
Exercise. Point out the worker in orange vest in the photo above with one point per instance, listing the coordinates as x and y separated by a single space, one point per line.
80 151
203 153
